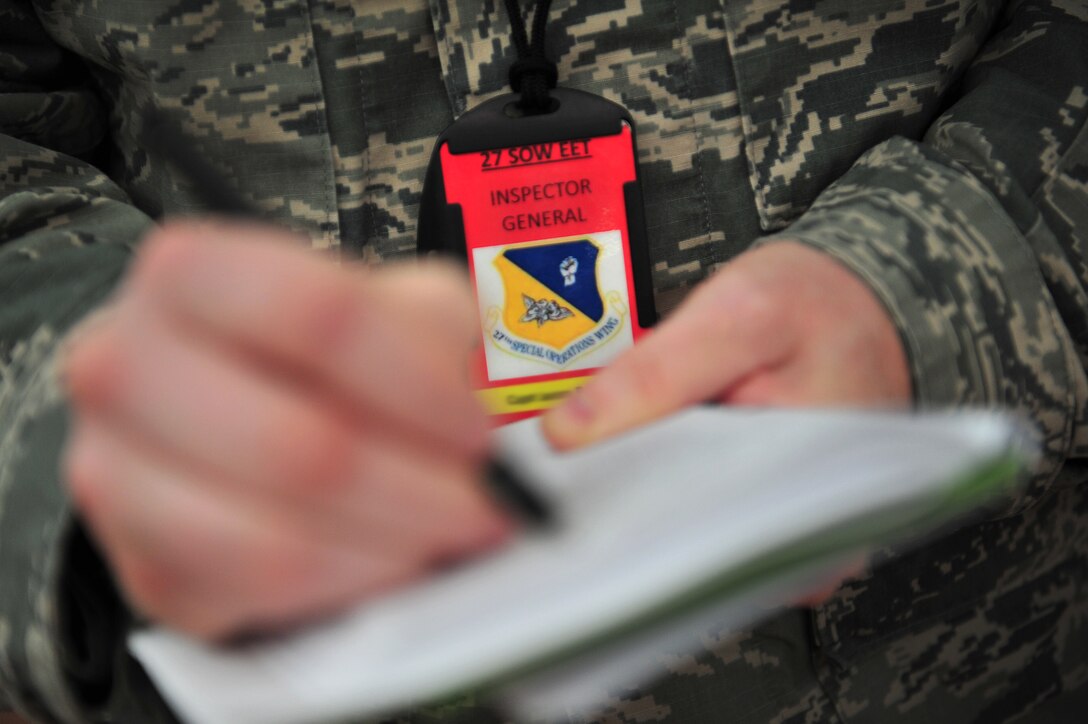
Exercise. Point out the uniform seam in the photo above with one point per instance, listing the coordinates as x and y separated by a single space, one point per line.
370 230
690 87
321 124
1059 167
747 128
453 89
821 666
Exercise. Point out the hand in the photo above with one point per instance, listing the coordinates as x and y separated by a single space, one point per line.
262 437
781 325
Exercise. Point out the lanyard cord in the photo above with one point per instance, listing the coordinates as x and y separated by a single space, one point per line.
532 74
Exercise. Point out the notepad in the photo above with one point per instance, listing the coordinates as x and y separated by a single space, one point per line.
715 514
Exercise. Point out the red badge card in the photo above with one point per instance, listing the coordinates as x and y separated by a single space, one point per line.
546 227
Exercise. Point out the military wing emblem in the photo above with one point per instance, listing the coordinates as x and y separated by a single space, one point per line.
543 310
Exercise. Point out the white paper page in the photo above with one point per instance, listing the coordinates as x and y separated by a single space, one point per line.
642 518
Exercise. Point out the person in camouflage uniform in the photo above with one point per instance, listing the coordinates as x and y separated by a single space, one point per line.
937 150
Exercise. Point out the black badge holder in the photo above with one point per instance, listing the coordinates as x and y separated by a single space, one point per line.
538 193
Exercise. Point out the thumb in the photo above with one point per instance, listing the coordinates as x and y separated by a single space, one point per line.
695 356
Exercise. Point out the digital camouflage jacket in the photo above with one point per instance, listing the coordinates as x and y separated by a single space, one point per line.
938 148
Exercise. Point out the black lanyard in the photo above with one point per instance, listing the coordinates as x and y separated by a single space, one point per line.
532 74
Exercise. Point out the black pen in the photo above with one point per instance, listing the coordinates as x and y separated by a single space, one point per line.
162 135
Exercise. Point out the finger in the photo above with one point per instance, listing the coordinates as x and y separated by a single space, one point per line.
206 564
268 441
408 499
389 343
195 562
722 335
835 371
795 384
178 396
780 387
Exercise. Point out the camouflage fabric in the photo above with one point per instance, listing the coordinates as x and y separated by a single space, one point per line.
938 148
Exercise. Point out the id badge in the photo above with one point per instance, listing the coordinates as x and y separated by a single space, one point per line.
547 212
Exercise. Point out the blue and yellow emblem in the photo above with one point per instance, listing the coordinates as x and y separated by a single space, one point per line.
551 291
554 310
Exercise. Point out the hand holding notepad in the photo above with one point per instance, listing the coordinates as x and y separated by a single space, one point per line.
713 514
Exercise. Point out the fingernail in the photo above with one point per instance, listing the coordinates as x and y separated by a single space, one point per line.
566 424
576 408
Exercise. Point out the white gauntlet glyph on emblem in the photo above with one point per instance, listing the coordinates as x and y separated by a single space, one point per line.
568 268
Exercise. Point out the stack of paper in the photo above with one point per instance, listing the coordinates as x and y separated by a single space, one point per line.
710 515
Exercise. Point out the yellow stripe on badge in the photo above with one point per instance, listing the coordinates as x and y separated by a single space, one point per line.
529 396
523 290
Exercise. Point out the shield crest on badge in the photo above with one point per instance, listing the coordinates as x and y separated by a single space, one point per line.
551 291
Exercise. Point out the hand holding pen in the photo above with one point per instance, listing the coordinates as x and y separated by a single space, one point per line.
262 437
